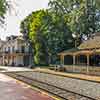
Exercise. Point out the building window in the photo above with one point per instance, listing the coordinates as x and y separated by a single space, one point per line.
13 48
22 49
5 49
8 49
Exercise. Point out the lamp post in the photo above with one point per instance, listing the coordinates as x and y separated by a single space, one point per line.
75 36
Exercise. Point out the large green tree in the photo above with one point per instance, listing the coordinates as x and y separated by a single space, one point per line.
32 28
58 36
37 35
49 34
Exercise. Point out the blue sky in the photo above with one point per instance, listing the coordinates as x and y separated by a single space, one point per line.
22 8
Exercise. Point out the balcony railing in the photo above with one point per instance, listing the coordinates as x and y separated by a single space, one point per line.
20 51
6 52
15 51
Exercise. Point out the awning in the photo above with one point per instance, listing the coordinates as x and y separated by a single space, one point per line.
76 51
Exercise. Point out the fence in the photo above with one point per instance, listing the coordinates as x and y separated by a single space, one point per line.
92 70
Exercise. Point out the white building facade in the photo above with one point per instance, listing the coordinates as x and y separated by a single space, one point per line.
15 52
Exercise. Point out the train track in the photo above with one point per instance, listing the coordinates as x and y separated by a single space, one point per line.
63 94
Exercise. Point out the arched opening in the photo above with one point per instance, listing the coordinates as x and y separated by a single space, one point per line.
68 60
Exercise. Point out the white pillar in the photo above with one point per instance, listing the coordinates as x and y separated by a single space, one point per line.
62 59
74 60
88 63
73 63
3 59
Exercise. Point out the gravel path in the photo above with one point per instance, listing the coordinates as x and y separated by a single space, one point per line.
86 88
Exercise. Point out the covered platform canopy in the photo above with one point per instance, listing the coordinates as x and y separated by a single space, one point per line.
88 53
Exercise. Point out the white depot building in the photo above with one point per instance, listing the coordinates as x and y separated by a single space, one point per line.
15 51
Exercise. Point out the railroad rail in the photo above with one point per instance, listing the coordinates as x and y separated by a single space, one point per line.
62 93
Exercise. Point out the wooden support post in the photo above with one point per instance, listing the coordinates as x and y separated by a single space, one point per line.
77 60
88 63
73 59
73 63
62 59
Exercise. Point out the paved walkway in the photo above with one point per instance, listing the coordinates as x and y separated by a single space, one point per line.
12 68
11 89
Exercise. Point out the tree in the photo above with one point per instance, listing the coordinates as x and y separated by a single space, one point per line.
80 15
58 36
49 37
5 5
32 28
3 9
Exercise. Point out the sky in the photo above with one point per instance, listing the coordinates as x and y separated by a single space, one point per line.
21 8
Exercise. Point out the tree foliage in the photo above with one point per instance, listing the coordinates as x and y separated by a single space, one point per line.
3 9
47 34
51 31
80 15
32 29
